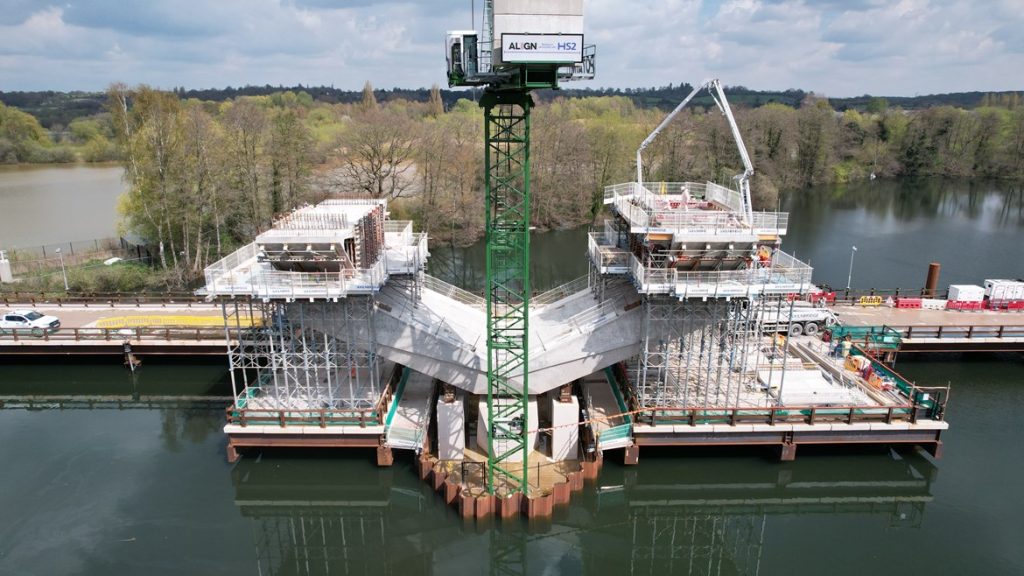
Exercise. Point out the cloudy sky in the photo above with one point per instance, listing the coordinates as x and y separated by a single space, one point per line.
835 47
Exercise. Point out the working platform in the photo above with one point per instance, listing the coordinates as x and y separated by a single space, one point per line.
691 240
919 330
692 211
332 250
802 394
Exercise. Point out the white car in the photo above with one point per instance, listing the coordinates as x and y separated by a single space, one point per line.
28 321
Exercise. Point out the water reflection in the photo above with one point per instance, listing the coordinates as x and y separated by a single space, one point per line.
972 228
556 257
990 203
701 525
315 517
329 517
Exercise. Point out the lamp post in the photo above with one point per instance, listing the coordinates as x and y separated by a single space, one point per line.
849 279
62 271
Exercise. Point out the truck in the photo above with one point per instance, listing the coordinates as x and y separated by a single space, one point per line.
28 322
792 318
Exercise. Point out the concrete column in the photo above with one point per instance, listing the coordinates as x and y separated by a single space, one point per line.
451 428
632 455
385 457
565 436
502 446
788 453
232 452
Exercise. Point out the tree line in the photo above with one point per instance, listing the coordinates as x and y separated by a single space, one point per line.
205 177
56 110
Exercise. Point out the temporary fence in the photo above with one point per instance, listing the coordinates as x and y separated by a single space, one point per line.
36 259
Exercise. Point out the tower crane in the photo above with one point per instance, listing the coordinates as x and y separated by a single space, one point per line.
524 45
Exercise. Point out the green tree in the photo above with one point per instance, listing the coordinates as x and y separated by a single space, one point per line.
369 101
290 149
149 132
21 137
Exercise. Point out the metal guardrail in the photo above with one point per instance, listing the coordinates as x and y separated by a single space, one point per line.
322 417
852 296
696 190
964 332
605 255
559 292
453 292
241 415
663 205
121 335
786 273
109 299
239 274
872 337
655 416
426 320
932 402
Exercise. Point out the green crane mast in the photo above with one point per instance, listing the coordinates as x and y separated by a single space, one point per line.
509 63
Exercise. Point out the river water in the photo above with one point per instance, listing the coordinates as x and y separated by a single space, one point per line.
975 230
56 204
142 490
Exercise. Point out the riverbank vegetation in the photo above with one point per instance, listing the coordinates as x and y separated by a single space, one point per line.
95 277
205 177
24 141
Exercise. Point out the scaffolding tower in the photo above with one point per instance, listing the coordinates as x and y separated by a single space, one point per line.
302 299
304 355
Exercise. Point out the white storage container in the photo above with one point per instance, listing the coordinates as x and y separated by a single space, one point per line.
1003 290
966 293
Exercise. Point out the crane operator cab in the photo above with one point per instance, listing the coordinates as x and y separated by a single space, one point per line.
463 56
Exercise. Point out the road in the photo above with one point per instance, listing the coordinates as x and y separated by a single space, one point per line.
132 316
883 315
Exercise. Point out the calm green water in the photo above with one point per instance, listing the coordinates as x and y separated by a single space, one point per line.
974 229
148 491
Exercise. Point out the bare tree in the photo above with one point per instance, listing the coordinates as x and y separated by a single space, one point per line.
435 106
378 156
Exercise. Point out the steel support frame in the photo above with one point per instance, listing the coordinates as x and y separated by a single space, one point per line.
305 354
507 206
695 353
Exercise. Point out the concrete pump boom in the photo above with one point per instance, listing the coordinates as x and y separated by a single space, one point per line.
714 87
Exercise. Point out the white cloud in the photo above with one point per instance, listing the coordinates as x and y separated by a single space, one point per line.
836 47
